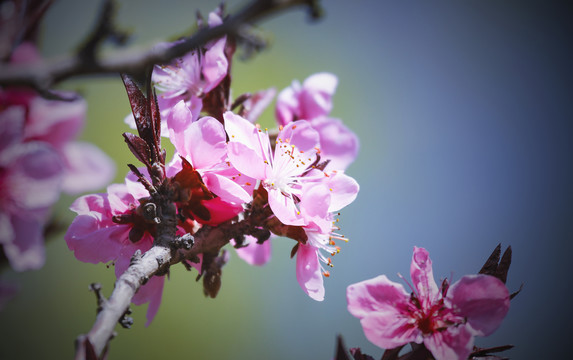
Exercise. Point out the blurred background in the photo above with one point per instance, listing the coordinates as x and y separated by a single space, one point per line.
464 112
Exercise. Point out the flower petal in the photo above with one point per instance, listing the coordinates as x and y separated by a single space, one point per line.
316 95
377 295
423 276
338 143
379 304
482 299
308 272
26 251
284 208
87 168
255 254
226 188
343 190
456 343
205 142
93 240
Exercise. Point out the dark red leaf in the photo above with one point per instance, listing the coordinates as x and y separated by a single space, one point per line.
490 266
358 355
392 354
504 264
156 121
139 107
147 119
419 352
139 148
341 353
514 294
294 250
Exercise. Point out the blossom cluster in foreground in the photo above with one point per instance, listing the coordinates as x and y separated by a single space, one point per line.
227 168
445 319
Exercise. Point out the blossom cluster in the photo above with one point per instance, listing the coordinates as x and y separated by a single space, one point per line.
226 168
39 159
445 319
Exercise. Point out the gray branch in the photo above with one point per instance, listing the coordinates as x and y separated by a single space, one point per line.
42 76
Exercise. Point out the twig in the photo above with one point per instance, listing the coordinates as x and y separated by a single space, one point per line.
206 240
125 288
44 75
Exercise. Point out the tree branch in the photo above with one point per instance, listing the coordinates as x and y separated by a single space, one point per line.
44 75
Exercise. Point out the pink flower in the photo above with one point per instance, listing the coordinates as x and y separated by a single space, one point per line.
39 160
108 228
318 203
312 101
30 183
58 124
446 320
281 172
192 76
203 145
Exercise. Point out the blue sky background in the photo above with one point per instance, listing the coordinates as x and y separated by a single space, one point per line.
464 112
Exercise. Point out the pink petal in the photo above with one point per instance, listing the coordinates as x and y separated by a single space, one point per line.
378 303
314 204
248 149
34 178
422 275
482 299
55 122
301 134
178 119
215 65
241 130
133 189
226 188
220 211
151 292
316 95
308 272
6 230
87 168
388 330
93 240
343 190
205 142
26 251
255 254
456 343
120 197
247 161
25 53
96 203
11 126
337 143
377 295
287 104
257 103
284 208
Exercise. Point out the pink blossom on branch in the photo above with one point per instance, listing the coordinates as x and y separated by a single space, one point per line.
312 101
281 171
108 228
319 202
445 320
